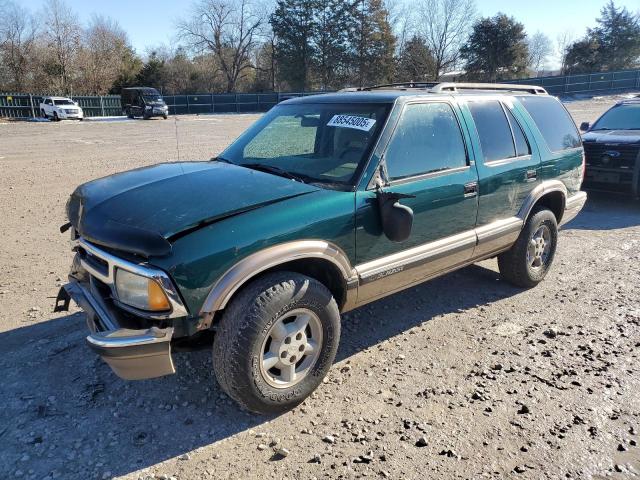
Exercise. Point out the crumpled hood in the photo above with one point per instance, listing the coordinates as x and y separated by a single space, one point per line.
139 211
612 136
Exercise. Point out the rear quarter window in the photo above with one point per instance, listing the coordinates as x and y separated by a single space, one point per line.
553 121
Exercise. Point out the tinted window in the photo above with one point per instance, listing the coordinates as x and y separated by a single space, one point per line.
553 121
522 147
427 139
493 130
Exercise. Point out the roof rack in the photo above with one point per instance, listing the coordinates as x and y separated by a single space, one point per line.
509 87
399 85
437 87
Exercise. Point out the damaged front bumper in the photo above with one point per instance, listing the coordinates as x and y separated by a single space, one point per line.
132 354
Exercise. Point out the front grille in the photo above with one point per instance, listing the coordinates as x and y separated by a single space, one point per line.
71 112
623 157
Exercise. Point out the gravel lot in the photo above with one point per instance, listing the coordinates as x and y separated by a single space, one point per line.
461 377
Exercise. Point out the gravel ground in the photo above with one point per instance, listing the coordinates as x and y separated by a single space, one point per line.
461 377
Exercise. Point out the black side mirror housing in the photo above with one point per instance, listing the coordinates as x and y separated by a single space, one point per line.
396 219
584 126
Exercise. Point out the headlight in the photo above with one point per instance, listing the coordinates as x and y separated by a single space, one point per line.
140 292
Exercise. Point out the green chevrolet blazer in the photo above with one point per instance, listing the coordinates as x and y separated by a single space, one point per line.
326 203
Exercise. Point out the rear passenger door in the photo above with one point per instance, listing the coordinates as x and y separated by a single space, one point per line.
508 162
426 157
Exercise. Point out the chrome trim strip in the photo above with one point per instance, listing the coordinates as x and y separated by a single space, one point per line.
123 337
255 263
380 267
506 161
497 235
177 307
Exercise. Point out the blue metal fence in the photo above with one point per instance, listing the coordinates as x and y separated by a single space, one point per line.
586 83
20 105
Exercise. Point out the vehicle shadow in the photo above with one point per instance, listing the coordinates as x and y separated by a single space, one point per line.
606 211
64 407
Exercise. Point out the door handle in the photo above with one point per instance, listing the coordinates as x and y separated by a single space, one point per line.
470 189
531 175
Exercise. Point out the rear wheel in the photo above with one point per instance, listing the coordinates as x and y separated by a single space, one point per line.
55 117
43 114
276 342
527 262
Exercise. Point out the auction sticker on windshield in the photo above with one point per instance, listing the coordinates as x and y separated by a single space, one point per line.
352 121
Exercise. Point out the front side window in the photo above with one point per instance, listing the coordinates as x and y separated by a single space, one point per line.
620 117
553 121
427 139
326 143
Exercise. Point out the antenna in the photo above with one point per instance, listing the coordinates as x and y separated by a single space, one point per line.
175 122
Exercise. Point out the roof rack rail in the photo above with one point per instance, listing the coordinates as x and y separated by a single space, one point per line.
399 85
509 87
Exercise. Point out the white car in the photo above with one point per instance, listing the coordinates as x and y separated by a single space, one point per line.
60 108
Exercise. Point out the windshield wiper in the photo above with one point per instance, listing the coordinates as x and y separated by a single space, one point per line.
222 160
263 167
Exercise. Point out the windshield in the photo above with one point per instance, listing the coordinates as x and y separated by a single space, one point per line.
622 117
326 143
64 101
152 98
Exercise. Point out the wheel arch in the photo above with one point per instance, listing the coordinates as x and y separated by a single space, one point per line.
318 259
551 194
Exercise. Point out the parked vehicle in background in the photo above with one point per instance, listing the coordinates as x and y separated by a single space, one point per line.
325 204
60 108
143 102
612 149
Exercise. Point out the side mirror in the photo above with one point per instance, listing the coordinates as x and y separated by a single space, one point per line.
584 126
396 219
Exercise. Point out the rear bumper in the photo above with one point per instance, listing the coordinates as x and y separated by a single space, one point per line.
131 354
573 206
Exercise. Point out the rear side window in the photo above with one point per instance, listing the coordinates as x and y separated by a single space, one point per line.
427 139
553 121
493 129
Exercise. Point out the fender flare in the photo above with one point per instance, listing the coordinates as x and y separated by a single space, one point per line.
249 267
540 191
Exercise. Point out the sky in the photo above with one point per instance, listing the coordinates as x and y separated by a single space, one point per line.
151 23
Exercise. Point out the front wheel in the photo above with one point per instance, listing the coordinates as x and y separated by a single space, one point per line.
43 114
527 262
276 342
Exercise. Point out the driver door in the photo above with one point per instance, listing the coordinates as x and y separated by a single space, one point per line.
427 158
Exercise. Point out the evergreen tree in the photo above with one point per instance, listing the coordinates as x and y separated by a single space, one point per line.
497 48
618 38
153 73
333 25
415 61
373 43
293 23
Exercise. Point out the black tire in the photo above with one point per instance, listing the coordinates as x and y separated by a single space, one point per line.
515 265
246 323
165 116
55 117
43 114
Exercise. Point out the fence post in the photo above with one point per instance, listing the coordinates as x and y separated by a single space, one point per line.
187 97
33 113
102 105
213 110
638 79
237 106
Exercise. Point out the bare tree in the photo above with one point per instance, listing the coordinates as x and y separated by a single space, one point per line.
63 32
445 25
17 41
539 50
564 40
230 29
105 45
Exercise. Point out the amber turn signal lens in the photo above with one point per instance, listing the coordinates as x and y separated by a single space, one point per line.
157 299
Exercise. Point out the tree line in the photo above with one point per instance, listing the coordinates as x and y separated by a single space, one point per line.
243 46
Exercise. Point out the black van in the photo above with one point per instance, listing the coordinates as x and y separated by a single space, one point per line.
143 102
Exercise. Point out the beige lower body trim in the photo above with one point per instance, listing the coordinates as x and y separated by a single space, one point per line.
573 207
404 269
